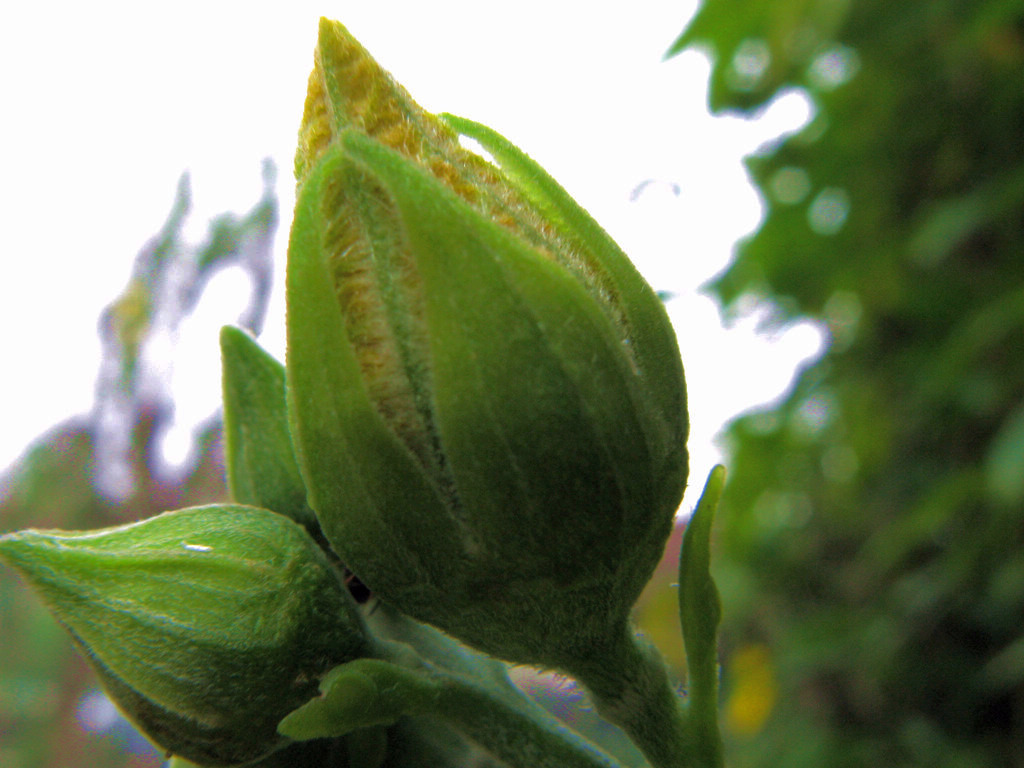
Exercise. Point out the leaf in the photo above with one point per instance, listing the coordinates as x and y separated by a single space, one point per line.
359 694
261 466
700 611
1004 462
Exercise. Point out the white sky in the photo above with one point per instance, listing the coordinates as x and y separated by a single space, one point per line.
105 104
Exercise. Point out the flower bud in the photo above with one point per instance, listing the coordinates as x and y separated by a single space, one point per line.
487 398
206 625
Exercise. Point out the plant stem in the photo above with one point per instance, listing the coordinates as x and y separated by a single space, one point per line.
486 708
519 736
631 688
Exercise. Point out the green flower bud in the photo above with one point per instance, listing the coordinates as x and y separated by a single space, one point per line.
487 398
206 625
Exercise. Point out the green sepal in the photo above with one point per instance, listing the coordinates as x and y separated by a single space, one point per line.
260 460
652 339
700 611
360 694
206 625
530 386
374 501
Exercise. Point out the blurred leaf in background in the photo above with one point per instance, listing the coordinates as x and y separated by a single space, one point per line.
871 554
106 468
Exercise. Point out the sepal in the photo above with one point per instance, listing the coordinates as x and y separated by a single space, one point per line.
359 694
260 460
643 315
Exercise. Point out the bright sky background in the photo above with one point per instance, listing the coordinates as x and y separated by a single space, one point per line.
105 104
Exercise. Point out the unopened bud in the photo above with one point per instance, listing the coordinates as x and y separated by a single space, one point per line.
206 625
488 399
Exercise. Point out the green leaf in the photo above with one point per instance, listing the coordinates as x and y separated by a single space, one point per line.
757 45
1004 461
261 465
360 694
700 612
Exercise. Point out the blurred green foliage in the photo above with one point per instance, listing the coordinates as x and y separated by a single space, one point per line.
105 468
870 552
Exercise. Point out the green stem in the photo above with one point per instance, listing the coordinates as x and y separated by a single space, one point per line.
515 735
631 688
493 713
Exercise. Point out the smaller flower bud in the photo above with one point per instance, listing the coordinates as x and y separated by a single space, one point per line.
206 625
